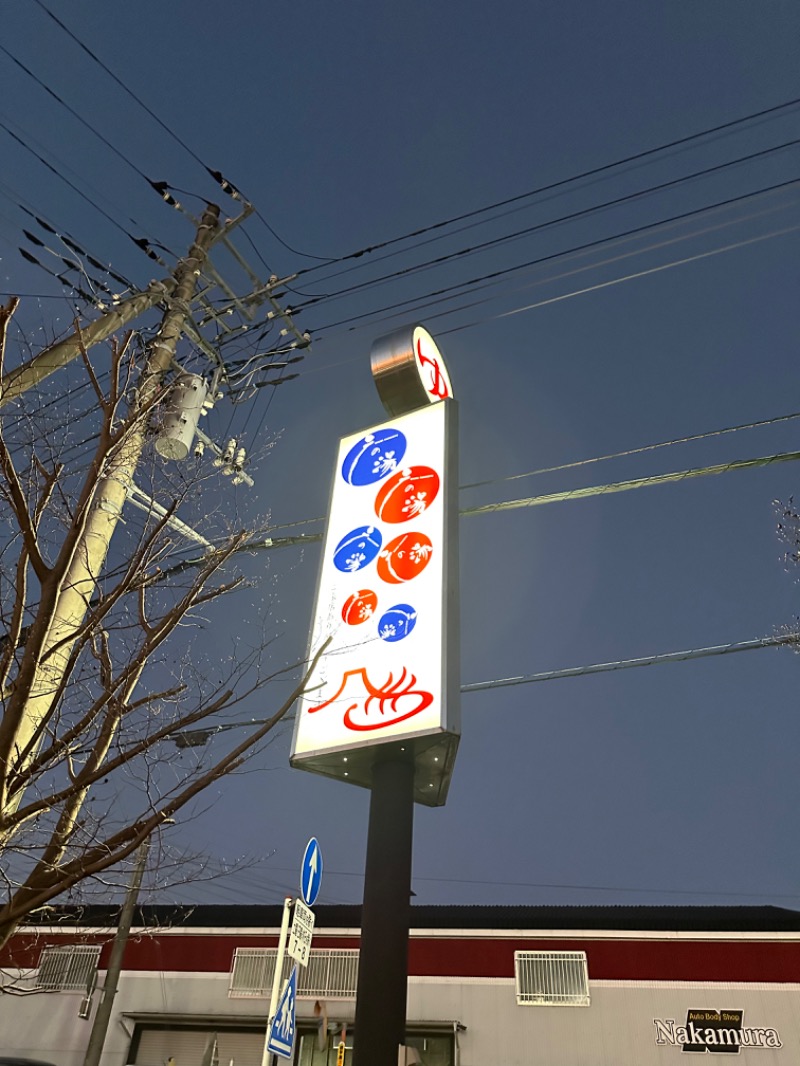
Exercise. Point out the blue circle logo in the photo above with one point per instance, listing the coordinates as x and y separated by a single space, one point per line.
357 549
374 457
397 622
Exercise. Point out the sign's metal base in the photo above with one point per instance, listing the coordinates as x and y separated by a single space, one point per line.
433 755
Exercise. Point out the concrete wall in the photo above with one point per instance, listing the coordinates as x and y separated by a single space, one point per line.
616 1030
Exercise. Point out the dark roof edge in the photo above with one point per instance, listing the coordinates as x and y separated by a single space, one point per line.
448 916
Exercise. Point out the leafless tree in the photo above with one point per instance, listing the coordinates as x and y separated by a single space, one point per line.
93 697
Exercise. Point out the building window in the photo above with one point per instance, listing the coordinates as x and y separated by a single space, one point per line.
434 1047
331 972
68 969
551 978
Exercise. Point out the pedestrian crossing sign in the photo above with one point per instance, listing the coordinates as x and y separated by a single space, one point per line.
281 1032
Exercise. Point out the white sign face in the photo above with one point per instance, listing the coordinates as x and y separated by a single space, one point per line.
383 590
301 933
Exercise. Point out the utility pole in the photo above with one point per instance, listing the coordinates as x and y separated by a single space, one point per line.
22 378
89 554
97 1039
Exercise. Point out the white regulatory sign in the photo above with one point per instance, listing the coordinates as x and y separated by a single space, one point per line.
301 933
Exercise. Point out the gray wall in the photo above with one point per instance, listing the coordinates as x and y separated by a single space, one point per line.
616 1030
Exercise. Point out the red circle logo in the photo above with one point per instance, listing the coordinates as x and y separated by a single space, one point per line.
359 607
404 558
407 494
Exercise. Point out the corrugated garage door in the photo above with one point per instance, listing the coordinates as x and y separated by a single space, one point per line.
187 1047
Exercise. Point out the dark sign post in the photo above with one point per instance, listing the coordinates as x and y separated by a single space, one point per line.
383 960
383 713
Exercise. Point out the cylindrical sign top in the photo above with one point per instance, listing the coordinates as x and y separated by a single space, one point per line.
409 371
311 873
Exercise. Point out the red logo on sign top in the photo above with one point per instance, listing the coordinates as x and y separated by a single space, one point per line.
438 385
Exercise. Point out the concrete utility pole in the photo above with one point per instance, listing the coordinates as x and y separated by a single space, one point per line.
109 497
22 378
97 1039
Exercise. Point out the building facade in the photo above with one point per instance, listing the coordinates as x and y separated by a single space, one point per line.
512 986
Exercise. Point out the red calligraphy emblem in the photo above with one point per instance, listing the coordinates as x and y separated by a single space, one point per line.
438 385
400 698
404 558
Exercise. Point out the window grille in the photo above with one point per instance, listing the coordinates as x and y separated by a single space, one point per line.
551 978
331 972
69 968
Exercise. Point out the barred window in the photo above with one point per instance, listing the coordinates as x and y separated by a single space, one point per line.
331 972
551 978
70 968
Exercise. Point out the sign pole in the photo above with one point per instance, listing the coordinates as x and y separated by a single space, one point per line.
276 980
383 962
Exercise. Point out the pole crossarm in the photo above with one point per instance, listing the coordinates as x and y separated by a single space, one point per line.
58 355
140 499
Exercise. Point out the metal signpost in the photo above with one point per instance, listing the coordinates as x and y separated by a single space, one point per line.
384 713
282 1011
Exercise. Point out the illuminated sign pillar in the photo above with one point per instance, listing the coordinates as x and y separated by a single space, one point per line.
383 712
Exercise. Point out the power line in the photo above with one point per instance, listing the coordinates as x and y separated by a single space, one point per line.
269 543
614 281
541 226
140 242
216 175
495 275
634 483
628 664
75 114
635 451
255 882
592 172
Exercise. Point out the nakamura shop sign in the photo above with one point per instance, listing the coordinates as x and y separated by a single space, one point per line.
719 1032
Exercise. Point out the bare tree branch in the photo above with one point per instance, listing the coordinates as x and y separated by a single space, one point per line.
93 695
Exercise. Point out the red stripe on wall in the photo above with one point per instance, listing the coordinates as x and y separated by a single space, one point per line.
615 960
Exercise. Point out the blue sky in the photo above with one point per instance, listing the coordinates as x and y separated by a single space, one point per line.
349 125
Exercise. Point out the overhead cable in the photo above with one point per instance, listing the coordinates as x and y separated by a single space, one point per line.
140 242
614 281
634 451
257 885
541 226
633 483
75 114
628 664
215 174
554 256
268 543
592 172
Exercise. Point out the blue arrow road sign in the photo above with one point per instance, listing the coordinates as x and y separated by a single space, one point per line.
281 1032
311 873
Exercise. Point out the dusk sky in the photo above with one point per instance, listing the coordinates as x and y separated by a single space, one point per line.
650 301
